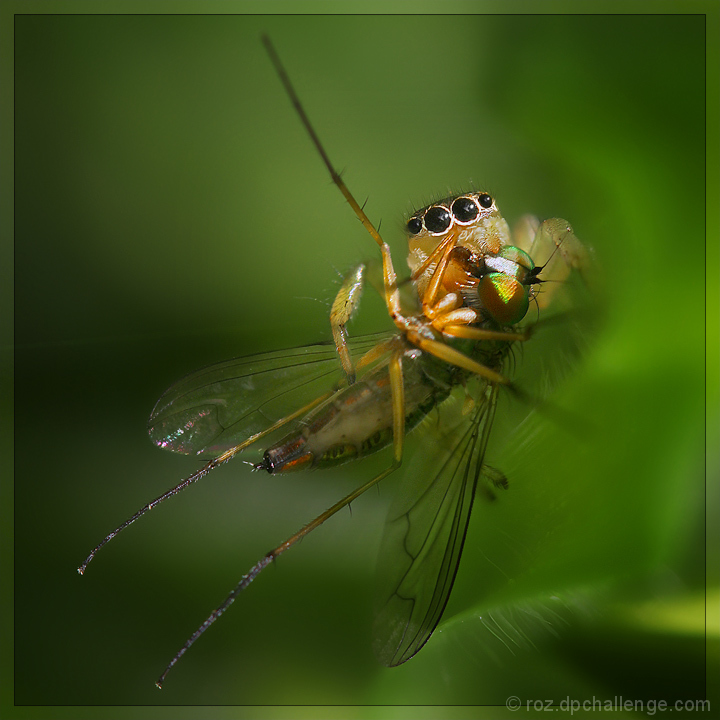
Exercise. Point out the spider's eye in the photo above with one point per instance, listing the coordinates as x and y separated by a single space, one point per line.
437 219
485 200
414 225
464 209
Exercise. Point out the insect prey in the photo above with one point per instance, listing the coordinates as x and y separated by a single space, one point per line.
327 404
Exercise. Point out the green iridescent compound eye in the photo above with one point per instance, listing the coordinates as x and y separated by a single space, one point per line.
503 293
504 297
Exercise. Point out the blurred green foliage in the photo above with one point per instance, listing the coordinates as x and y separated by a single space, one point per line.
171 212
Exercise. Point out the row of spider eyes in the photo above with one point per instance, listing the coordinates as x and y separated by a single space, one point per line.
438 218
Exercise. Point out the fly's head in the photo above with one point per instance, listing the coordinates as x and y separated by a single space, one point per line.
505 286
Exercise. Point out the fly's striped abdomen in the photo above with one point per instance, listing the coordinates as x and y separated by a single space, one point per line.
354 422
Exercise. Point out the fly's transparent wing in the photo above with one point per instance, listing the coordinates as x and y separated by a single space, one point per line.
425 532
220 406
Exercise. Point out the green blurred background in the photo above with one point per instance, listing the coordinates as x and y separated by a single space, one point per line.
170 212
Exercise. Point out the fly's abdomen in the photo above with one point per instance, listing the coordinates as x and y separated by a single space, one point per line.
353 423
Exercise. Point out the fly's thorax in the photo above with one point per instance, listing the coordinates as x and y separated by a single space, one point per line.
474 221
356 421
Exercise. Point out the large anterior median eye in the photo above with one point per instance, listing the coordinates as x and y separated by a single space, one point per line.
465 209
437 219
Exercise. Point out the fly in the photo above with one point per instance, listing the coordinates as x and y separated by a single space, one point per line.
324 405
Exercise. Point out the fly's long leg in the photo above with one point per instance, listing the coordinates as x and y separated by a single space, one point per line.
265 561
215 462
343 307
391 289
173 491
392 293
397 388
398 405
